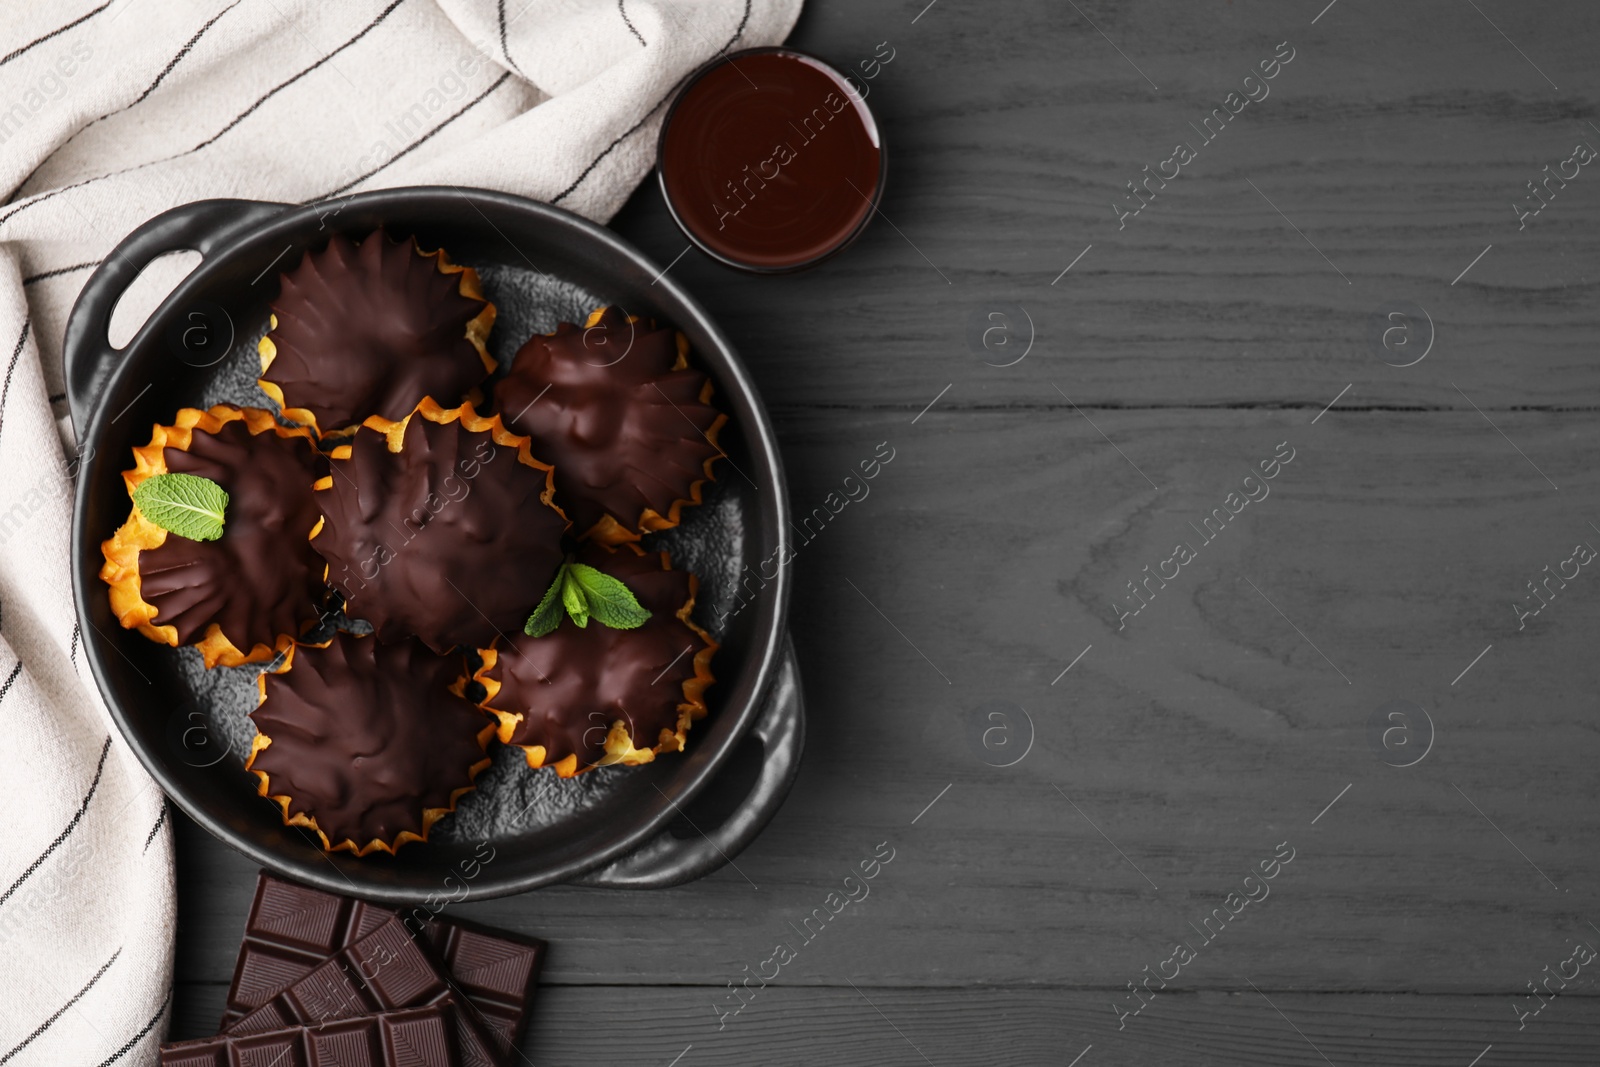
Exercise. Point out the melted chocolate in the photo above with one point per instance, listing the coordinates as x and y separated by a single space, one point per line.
624 430
260 578
371 331
366 735
770 160
446 540
571 685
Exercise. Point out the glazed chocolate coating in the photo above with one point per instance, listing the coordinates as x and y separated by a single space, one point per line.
625 432
366 735
260 578
446 540
371 331
571 685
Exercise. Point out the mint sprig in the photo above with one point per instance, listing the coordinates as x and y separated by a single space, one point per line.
583 593
183 504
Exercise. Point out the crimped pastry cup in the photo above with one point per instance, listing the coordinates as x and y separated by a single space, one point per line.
477 333
620 746
297 814
608 531
611 528
349 529
138 534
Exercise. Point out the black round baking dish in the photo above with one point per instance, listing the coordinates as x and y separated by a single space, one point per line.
659 824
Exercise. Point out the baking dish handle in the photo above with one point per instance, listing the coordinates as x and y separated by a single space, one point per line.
681 854
202 226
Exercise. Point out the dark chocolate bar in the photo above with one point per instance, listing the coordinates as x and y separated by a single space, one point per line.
385 970
416 1037
496 973
292 928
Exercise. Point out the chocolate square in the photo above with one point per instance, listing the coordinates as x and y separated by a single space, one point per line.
417 1037
292 929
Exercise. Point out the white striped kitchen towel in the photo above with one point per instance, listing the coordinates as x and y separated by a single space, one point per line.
111 112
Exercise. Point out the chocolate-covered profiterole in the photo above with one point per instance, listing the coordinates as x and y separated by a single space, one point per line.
770 160
452 539
579 697
243 596
369 331
365 743
626 422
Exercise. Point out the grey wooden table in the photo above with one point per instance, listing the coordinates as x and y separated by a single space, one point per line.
1370 607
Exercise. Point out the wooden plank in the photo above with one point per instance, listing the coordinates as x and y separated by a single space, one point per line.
1011 137
786 1024
1192 742
1234 712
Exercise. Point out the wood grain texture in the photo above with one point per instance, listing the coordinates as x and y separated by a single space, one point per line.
978 1027
1234 712
788 1026
1396 141
1197 739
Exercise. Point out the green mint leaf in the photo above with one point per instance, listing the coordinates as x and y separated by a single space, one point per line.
547 616
183 504
573 599
583 593
610 601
